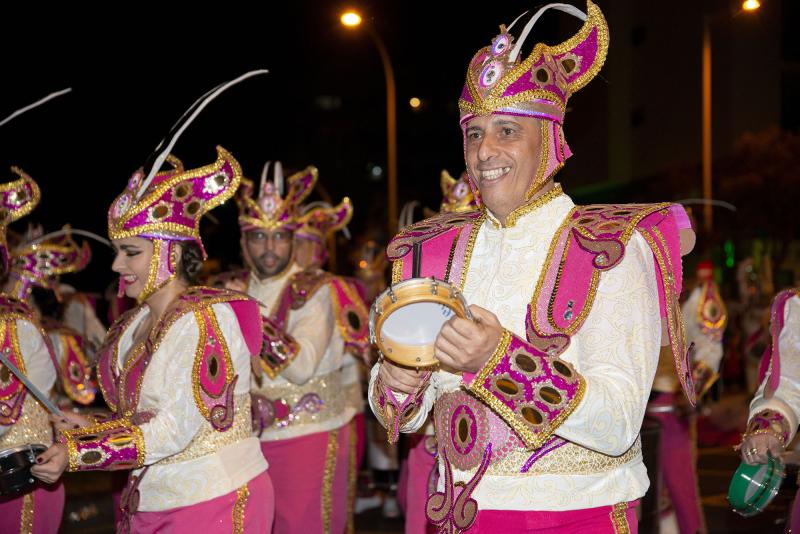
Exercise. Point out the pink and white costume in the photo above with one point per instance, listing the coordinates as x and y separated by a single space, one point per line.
23 420
181 397
775 408
304 406
545 437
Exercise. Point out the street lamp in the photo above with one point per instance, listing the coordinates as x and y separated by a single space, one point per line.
708 221
352 19
751 5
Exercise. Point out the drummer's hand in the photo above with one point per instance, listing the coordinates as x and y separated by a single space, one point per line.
69 421
51 463
466 345
400 379
754 448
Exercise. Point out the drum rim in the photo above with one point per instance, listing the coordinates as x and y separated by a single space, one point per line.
376 320
21 448
749 509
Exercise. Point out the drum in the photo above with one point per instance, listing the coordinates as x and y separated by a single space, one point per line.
406 318
754 486
15 469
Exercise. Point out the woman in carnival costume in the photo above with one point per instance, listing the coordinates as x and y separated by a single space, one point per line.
175 370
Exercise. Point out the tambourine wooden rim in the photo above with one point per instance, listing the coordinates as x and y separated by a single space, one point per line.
402 294
767 490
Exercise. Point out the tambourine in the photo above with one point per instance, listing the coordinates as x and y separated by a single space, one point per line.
15 469
754 486
406 318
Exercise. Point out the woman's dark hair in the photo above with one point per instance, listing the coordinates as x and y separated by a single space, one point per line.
191 261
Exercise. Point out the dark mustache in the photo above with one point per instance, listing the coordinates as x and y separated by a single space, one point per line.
269 256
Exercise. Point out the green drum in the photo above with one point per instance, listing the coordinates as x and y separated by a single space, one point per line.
754 486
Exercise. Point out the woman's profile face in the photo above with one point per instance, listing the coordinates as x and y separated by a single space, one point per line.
132 263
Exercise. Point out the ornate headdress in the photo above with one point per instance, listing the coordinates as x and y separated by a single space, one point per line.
457 195
40 262
166 206
500 82
320 221
270 209
17 199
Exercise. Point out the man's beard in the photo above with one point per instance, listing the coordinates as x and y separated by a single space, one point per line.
264 272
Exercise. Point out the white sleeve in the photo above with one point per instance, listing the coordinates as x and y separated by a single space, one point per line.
786 400
311 326
617 353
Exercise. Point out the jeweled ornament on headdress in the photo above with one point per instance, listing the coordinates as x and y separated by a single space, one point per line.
270 209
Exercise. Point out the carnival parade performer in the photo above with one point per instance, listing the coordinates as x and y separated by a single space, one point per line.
310 320
175 370
538 402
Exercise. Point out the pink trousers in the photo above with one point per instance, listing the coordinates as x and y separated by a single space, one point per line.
246 510
416 476
38 512
678 466
314 479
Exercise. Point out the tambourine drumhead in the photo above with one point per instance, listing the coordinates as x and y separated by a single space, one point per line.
754 486
15 465
406 318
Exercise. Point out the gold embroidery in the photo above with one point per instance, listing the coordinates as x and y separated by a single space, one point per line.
473 236
202 342
327 480
150 286
26 515
620 519
208 440
624 238
117 329
569 459
239 508
495 98
18 186
397 271
352 477
72 437
355 301
452 254
33 426
159 331
675 324
532 440
533 205
116 227
327 387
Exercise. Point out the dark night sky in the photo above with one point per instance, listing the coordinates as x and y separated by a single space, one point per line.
135 71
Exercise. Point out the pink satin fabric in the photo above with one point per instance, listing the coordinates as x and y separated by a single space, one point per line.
215 516
595 520
48 507
297 469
